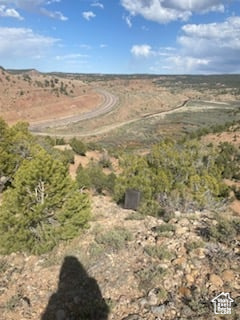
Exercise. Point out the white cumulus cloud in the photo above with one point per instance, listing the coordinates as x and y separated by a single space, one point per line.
25 4
53 14
200 6
128 20
22 43
97 4
143 50
200 48
163 11
88 15
11 13
36 6
52 1
71 56
209 48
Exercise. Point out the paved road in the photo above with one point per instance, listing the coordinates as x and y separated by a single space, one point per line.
113 126
108 104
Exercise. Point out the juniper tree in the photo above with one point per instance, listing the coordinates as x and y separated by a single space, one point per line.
42 207
16 144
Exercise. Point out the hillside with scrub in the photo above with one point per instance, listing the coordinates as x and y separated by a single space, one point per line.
69 249
31 96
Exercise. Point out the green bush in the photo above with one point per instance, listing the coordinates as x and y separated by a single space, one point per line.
164 228
60 141
93 177
135 216
228 160
150 276
4 265
160 252
114 239
173 176
224 231
14 301
16 144
150 208
83 178
110 182
192 245
49 140
97 177
78 146
43 207
67 156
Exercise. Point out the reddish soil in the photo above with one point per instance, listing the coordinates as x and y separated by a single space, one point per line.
216 138
34 97
94 156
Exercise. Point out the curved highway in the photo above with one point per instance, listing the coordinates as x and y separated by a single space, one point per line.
108 104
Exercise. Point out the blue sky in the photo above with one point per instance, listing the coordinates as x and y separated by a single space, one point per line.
121 36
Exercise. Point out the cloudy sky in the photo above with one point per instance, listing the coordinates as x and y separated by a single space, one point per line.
121 36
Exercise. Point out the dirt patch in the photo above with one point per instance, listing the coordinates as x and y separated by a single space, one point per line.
216 138
235 206
63 147
93 156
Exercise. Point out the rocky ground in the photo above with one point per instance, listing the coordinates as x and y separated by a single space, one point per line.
125 267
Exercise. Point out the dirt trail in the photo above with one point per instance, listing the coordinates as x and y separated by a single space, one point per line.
184 106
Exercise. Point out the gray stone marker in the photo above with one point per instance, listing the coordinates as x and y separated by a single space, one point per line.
132 199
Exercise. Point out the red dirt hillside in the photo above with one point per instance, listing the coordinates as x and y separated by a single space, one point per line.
32 96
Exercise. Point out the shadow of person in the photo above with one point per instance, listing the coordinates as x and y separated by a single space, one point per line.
78 296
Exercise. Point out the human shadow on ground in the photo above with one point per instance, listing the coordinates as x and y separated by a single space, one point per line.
78 296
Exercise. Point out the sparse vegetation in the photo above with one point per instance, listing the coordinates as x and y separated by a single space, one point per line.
164 229
105 161
173 176
225 231
14 302
135 216
192 245
114 239
150 276
78 146
93 177
160 252
3 265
